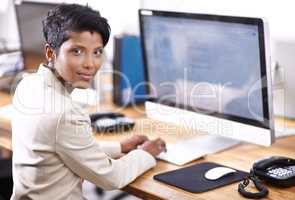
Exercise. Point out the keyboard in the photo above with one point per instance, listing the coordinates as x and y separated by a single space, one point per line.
187 150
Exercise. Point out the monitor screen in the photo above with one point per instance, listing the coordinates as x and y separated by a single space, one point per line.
207 63
29 18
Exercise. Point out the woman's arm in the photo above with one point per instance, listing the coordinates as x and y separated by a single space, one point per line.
85 156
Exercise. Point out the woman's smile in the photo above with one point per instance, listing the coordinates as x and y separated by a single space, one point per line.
85 76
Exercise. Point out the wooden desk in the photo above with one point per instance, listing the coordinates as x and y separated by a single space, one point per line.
5 128
240 157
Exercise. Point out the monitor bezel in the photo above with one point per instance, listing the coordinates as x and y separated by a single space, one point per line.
267 117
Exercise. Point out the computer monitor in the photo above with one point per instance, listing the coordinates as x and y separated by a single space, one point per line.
29 19
209 72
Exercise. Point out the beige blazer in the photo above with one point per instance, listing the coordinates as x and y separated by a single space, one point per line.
54 149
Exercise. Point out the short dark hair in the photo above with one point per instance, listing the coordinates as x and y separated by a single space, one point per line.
66 18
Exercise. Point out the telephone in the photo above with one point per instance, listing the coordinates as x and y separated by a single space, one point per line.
110 122
276 170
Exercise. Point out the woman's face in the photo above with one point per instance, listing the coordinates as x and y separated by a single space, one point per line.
79 58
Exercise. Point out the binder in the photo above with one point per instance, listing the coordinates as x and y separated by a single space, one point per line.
128 71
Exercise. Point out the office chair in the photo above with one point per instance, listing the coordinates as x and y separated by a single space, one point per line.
6 182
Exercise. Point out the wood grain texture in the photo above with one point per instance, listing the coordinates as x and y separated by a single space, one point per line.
240 157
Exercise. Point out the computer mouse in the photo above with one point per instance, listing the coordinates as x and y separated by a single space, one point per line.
218 172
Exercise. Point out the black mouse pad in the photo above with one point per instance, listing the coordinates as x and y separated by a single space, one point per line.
192 178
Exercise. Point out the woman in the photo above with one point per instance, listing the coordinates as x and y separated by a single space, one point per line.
53 146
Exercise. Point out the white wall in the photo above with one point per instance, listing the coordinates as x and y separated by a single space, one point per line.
123 18
3 6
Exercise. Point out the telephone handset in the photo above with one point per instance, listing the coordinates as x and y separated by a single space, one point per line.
276 170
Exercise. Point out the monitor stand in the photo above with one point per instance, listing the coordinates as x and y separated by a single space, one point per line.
220 133
187 150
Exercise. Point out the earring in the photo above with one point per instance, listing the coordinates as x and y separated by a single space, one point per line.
50 64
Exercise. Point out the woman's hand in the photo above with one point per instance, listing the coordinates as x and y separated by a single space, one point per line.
154 147
132 143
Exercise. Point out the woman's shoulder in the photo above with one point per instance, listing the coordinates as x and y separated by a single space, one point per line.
33 94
